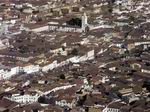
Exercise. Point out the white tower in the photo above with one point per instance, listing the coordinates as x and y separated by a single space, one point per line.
84 22
3 28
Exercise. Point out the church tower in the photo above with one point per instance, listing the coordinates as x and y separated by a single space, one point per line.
3 28
84 22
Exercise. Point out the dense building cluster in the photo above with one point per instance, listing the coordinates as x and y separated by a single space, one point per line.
75 55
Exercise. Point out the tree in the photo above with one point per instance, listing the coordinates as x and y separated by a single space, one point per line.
35 110
75 22
81 100
62 76
110 5
111 2
23 49
74 51
42 99
35 12
146 85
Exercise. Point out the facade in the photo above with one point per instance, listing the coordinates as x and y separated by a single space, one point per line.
111 110
31 69
7 74
64 103
25 99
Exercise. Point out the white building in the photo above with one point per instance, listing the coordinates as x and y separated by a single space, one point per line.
63 103
50 66
90 55
25 99
16 70
7 74
111 110
4 43
31 69
76 59
4 74
86 85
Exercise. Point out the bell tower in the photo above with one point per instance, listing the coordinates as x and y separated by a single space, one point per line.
84 22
